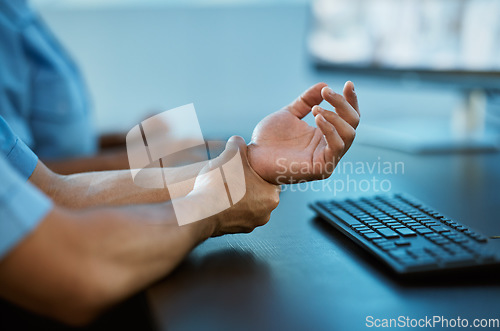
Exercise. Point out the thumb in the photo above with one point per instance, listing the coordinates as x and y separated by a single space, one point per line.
235 144
350 95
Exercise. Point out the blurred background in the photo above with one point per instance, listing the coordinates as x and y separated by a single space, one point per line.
424 70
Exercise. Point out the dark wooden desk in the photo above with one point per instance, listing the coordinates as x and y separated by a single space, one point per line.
299 273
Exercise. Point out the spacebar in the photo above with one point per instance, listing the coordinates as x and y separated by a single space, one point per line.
345 217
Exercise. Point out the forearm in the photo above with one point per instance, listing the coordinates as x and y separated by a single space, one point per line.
107 188
104 161
86 261
112 188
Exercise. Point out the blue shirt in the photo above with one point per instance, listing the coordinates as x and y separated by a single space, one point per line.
22 205
42 94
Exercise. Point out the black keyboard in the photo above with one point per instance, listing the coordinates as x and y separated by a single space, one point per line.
407 235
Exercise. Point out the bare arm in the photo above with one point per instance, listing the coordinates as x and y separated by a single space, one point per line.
79 262
109 188
75 264
112 159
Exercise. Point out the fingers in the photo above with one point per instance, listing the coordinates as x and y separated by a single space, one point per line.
346 132
303 104
335 145
343 108
350 96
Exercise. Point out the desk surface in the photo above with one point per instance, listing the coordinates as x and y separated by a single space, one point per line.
297 272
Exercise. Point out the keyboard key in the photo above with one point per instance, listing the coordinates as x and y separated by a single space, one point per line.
460 240
387 246
345 217
418 252
388 233
372 235
405 232
423 231
357 226
454 248
402 242
398 227
440 229
431 235
441 241
399 254
381 226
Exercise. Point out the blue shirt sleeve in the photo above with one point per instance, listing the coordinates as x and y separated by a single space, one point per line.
43 95
16 152
22 205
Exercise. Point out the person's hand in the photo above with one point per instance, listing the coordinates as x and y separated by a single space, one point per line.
259 198
285 149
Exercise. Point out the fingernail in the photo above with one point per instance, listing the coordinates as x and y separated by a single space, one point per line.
353 88
329 90
321 118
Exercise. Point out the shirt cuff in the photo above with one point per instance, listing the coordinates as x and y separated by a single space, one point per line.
22 158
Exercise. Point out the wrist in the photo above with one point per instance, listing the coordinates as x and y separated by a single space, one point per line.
250 147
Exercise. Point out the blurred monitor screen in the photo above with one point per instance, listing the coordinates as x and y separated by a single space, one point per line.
425 35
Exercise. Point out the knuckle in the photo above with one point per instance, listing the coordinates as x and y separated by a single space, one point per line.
272 200
330 129
340 146
264 220
275 202
317 167
247 229
326 175
352 135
